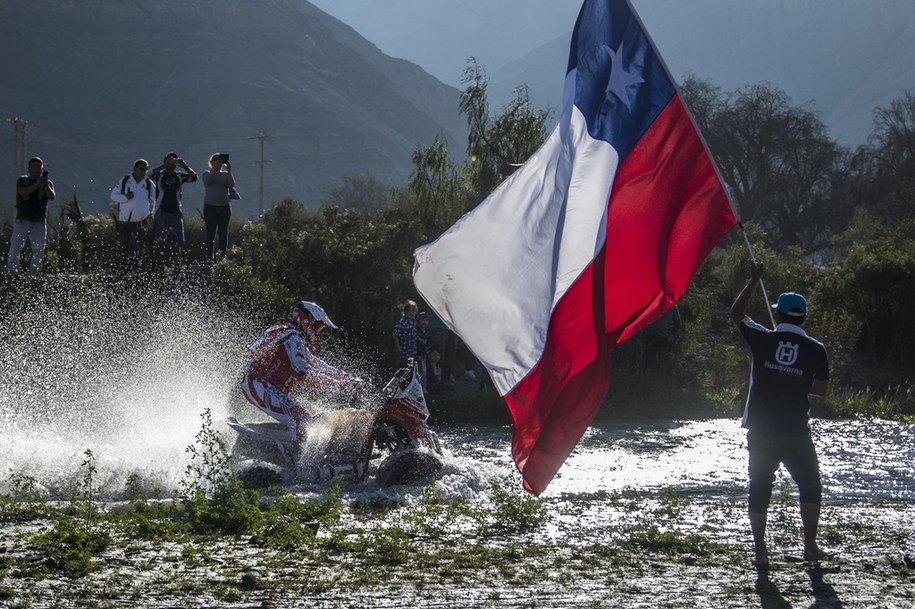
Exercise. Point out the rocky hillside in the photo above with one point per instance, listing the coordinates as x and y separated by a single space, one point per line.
105 82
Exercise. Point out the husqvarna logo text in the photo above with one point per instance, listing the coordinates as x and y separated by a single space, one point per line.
786 354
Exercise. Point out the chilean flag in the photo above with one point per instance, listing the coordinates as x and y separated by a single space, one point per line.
592 239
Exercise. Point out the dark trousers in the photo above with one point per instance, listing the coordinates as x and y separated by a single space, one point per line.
216 219
800 459
130 235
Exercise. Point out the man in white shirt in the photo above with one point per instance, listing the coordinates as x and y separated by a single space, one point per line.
135 197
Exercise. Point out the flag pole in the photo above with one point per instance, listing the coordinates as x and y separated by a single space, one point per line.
762 285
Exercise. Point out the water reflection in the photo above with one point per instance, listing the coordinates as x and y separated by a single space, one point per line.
873 460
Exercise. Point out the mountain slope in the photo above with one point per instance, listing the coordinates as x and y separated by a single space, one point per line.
844 56
112 81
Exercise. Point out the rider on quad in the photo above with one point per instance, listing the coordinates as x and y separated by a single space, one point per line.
281 356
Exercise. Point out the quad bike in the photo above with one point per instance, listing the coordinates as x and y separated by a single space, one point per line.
391 444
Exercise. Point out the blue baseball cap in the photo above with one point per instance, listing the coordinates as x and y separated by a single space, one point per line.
791 303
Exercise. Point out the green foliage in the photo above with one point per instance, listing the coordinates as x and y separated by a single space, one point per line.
71 543
153 520
214 497
884 177
84 493
210 467
437 515
875 285
76 534
777 160
516 511
438 195
231 509
654 540
897 403
291 523
349 262
497 146
383 545
23 502
363 194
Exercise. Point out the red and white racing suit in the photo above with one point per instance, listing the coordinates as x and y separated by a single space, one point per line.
278 358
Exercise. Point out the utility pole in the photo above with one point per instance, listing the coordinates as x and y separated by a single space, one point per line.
260 191
19 125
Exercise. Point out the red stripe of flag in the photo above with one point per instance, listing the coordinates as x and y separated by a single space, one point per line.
666 213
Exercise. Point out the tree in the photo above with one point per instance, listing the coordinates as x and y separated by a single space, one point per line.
437 193
885 168
497 146
894 137
784 172
362 193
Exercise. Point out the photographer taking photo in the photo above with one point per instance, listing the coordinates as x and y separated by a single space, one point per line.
33 191
219 184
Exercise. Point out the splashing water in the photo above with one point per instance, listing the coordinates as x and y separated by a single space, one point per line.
123 371
127 372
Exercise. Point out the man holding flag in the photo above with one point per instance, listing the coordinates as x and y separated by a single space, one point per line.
595 237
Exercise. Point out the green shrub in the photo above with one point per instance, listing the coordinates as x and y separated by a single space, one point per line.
291 523
23 502
515 510
231 509
71 543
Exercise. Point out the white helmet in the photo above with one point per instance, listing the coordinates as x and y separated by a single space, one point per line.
311 319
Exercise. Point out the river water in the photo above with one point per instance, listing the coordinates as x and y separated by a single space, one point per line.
869 460
860 460
129 380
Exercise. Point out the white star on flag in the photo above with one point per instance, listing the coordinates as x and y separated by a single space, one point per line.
619 77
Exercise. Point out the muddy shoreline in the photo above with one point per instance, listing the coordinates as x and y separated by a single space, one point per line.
627 550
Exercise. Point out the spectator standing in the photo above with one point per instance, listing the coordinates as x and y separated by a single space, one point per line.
33 191
217 210
787 366
169 219
135 196
435 376
405 333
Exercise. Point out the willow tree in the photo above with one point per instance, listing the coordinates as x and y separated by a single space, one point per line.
497 145
439 189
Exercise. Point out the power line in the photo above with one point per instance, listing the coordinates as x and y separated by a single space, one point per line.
19 125
260 191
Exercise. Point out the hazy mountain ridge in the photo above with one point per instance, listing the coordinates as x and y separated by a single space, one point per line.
843 56
127 79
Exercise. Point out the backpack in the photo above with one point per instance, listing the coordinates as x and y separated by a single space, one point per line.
150 185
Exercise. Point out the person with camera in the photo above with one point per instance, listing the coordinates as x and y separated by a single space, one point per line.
134 197
33 191
169 177
219 184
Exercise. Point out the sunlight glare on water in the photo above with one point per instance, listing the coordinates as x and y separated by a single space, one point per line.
872 460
